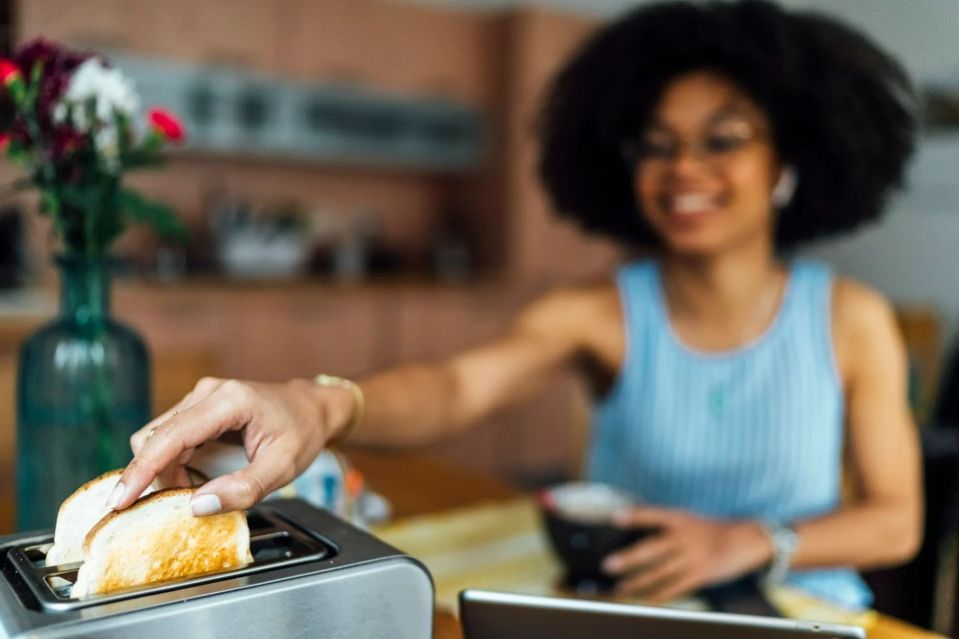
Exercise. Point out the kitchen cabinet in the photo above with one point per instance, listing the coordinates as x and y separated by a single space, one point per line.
13 330
239 33
368 42
539 246
258 332
8 440
333 332
537 436
401 48
231 32
98 24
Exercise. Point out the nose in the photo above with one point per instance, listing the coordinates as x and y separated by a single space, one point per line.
689 160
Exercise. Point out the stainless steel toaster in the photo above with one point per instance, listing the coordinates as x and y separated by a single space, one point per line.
313 575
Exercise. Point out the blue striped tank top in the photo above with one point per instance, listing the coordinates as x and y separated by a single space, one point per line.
756 432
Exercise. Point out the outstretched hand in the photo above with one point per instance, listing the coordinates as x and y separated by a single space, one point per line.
283 428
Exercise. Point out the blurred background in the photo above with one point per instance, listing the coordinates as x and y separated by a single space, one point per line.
358 182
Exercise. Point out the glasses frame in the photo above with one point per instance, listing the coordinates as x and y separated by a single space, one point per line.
633 155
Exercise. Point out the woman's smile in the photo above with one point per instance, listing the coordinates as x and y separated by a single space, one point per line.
689 204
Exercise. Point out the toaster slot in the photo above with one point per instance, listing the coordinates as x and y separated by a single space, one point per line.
274 543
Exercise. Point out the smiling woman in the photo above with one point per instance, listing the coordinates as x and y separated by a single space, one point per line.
733 383
684 192
841 112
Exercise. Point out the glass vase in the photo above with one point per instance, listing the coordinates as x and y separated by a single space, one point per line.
83 388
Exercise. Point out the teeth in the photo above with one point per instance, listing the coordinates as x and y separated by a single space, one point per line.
691 203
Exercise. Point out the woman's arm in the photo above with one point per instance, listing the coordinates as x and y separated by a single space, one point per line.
419 403
284 426
882 525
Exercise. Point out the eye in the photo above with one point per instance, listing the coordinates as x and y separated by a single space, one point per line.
719 143
656 147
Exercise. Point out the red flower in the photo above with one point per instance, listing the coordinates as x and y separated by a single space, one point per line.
58 64
166 124
9 72
64 142
4 142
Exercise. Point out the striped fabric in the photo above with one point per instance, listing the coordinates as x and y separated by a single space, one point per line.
752 433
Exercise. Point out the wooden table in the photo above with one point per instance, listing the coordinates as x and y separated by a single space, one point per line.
417 484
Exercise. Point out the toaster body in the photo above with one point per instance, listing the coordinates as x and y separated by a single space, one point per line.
313 575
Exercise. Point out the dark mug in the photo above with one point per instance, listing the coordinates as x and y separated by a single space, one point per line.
578 519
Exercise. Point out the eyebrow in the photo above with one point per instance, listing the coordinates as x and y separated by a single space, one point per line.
730 108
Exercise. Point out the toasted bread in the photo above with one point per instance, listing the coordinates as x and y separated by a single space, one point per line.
158 539
78 514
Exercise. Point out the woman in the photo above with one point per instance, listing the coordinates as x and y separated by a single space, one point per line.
738 383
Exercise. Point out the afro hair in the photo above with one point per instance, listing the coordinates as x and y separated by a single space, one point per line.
843 112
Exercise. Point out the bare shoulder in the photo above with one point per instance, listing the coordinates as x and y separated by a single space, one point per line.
864 324
858 308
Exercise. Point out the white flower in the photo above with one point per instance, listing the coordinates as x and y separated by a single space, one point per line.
106 141
109 91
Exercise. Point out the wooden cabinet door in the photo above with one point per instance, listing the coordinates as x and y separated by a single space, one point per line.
275 336
95 24
234 32
394 46
530 440
8 441
12 334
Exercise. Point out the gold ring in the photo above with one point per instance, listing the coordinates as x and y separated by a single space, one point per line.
151 431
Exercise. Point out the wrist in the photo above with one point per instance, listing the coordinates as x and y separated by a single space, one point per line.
784 541
343 404
757 545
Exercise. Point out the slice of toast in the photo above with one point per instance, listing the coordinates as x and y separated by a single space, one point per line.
78 514
158 539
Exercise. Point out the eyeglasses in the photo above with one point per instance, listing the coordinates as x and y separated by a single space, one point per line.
658 148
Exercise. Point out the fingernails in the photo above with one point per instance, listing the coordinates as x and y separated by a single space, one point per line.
612 565
116 495
206 505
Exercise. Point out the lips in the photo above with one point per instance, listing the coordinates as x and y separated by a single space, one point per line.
690 204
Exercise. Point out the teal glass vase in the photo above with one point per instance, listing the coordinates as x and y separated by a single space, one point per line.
83 387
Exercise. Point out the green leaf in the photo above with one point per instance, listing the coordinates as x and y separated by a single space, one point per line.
140 159
158 215
18 155
49 203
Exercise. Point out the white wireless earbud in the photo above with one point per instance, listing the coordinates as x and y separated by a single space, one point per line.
785 187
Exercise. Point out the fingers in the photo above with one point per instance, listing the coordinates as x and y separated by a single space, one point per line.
661 574
226 408
681 585
270 469
200 392
643 554
646 517
657 569
175 475
138 438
